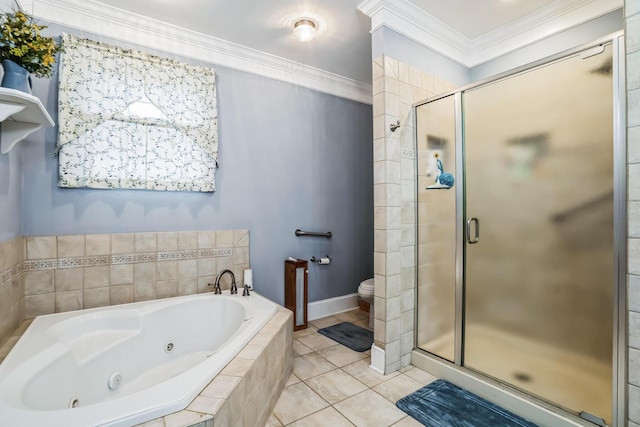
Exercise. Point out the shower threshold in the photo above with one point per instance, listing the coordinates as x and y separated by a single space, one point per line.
567 379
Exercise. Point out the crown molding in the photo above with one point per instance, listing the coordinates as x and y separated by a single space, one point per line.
114 23
407 19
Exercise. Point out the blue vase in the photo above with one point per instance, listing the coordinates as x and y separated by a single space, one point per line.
15 76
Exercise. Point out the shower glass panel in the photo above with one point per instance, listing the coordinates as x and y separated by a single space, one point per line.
539 281
436 132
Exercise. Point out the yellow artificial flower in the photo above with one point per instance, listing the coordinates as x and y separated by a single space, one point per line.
21 41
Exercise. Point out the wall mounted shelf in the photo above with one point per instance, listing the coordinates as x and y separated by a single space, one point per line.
21 114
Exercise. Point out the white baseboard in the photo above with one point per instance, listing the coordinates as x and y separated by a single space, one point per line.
331 306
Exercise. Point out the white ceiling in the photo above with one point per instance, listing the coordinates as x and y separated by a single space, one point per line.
474 18
343 45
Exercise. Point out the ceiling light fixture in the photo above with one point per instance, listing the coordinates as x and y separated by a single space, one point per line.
304 29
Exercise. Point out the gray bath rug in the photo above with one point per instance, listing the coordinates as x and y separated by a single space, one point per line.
350 335
442 404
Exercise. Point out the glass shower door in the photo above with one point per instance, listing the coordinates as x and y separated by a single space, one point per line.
539 262
436 222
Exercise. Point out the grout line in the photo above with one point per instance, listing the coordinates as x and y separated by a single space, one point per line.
401 373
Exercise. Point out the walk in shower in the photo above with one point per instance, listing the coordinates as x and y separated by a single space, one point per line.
520 263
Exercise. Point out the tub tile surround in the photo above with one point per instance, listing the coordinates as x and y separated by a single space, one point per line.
12 301
51 274
64 273
396 86
13 339
632 36
247 389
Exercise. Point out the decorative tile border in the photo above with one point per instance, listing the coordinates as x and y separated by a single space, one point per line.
102 260
133 258
41 264
176 255
214 253
88 261
12 273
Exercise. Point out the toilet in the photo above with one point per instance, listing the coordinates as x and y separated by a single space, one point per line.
366 291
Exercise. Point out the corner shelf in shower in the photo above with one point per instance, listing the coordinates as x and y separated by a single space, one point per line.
21 114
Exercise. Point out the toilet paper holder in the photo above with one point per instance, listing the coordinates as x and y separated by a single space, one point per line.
321 261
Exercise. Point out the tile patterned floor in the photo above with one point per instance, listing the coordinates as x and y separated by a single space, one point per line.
332 385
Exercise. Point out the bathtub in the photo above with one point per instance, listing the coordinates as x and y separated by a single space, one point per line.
124 364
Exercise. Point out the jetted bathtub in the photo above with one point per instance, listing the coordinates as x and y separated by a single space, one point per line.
124 364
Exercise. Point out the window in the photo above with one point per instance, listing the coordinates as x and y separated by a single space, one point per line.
132 120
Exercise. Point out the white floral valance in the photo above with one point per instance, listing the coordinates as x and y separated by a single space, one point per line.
128 119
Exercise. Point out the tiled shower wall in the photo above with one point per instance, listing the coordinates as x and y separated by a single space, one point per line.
12 256
51 274
396 86
632 38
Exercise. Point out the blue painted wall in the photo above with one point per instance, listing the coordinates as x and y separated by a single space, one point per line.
290 157
10 194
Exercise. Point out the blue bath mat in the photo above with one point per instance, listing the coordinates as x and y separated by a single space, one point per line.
442 404
350 335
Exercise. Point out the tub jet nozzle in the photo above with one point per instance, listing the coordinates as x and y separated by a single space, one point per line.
115 380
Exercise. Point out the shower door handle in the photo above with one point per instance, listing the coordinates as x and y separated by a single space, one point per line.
477 235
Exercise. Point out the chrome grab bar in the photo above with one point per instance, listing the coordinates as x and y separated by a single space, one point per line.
313 234
477 236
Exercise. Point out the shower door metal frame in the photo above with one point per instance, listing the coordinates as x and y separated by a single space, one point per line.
460 232
620 231
481 384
